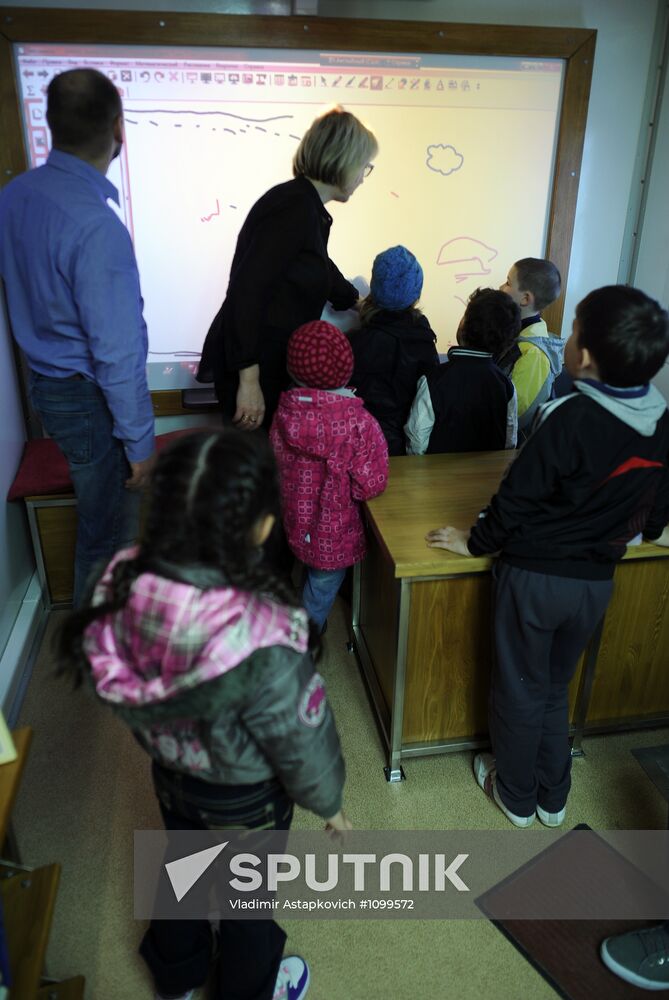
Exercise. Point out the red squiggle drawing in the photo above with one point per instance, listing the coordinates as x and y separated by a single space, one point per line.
208 218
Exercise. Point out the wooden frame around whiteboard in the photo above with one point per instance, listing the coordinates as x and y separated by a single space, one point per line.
575 45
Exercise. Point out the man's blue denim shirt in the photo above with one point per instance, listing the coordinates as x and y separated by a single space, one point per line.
72 288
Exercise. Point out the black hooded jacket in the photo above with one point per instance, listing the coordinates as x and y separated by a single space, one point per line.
391 353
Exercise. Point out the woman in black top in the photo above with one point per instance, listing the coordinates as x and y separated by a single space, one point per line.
281 275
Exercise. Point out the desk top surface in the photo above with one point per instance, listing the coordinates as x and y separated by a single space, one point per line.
430 491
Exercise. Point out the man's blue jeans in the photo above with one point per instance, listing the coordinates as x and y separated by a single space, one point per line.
76 416
320 590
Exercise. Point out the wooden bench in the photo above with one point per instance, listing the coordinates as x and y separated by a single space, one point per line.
43 482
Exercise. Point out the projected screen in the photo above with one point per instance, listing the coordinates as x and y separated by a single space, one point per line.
463 176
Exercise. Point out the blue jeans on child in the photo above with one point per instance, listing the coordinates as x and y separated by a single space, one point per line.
75 415
179 952
320 590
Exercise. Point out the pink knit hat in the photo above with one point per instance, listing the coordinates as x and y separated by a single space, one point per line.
320 356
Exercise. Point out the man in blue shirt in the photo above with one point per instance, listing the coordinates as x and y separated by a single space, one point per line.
75 308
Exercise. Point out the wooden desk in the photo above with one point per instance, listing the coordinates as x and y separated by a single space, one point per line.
421 619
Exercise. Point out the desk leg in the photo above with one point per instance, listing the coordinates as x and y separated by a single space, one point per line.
394 770
39 555
585 690
11 848
355 605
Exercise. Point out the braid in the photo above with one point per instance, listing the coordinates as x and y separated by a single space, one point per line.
199 471
68 641
209 491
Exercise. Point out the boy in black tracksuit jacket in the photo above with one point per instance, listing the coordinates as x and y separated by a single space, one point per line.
591 477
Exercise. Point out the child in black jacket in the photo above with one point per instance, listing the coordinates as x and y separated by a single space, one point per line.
468 403
592 476
395 344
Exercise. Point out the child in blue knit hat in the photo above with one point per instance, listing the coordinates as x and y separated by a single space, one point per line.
395 344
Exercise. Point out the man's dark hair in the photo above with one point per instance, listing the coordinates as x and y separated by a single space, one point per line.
491 321
626 332
81 107
541 278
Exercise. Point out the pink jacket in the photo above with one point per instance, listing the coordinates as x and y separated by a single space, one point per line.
331 454
171 637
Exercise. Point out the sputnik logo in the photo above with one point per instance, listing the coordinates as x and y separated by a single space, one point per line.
185 872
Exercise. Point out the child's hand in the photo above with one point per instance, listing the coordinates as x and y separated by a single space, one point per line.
338 825
449 538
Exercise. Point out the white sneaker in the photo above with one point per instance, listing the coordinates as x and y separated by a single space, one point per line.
486 776
292 982
552 819
184 996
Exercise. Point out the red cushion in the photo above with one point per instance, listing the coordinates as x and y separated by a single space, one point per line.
43 468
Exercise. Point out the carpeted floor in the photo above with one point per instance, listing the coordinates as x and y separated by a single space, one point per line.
87 787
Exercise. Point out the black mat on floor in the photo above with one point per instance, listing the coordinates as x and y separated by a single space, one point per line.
565 952
655 762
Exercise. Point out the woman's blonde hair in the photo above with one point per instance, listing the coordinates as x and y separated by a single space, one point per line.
335 147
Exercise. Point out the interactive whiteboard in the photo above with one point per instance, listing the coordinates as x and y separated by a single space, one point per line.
481 129
463 176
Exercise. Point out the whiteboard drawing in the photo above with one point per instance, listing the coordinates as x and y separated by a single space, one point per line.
206 114
444 159
208 218
468 257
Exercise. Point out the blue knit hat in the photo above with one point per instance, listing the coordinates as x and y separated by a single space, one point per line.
397 279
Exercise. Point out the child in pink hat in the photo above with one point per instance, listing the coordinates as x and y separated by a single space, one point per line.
331 455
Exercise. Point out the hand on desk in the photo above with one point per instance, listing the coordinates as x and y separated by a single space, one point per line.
449 538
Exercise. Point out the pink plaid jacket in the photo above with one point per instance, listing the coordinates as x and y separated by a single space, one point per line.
172 637
332 455
218 684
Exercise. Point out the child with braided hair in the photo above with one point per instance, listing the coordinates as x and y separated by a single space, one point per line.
195 644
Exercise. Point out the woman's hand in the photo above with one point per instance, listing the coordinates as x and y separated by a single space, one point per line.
250 400
452 539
